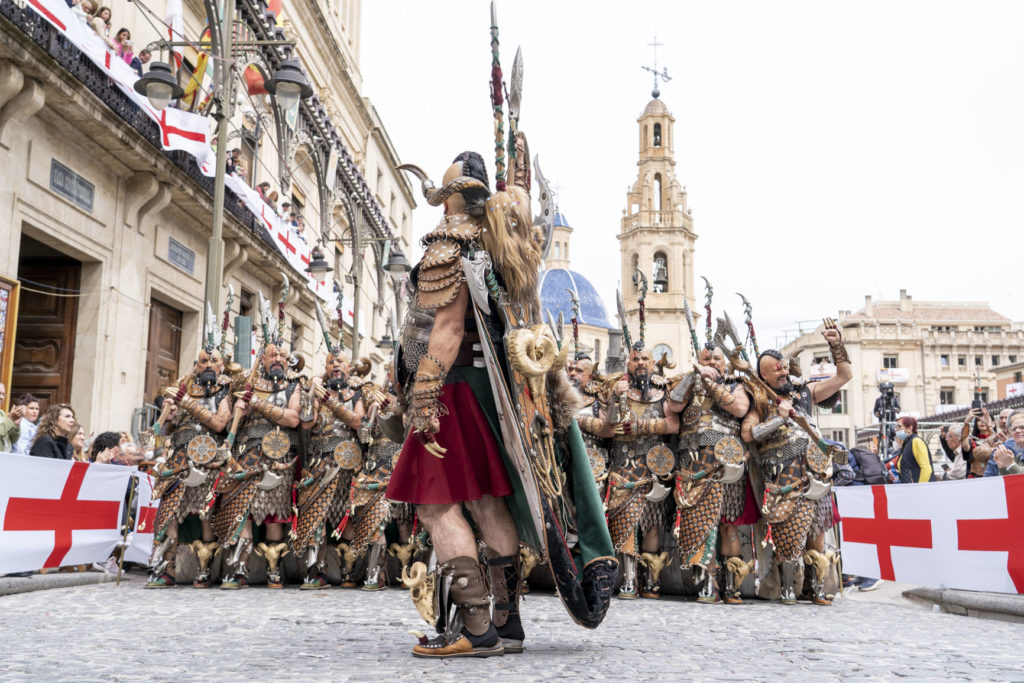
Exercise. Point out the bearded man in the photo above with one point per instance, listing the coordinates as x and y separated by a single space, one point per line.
197 413
259 489
333 411
795 464
711 492
636 501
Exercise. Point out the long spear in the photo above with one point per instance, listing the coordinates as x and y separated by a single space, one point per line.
748 312
640 280
575 324
497 101
708 292
689 323
622 318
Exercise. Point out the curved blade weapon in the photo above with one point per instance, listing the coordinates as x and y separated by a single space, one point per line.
554 328
286 288
748 317
689 323
708 292
515 99
323 326
211 326
265 317
497 100
640 280
547 206
339 311
575 323
226 323
622 320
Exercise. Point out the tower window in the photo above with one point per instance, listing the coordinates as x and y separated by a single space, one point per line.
657 192
660 272
558 250
657 135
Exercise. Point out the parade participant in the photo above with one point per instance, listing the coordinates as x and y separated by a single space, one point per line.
636 502
795 463
259 487
9 427
192 420
334 413
711 489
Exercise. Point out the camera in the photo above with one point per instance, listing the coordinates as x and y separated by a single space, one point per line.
886 389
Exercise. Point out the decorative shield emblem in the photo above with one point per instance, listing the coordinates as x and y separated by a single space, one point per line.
598 465
202 449
348 455
817 461
691 414
276 445
660 460
729 451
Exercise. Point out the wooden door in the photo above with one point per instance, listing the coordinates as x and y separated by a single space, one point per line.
164 348
44 351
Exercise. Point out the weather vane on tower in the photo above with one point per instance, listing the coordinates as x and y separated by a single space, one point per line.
664 71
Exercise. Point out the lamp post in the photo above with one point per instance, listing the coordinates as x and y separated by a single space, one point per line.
288 82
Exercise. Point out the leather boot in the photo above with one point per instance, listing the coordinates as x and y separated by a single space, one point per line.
787 575
236 569
705 581
373 578
476 635
731 580
627 591
505 573
314 569
161 564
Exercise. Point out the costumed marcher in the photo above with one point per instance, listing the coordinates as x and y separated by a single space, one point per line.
334 413
637 503
193 419
259 488
795 463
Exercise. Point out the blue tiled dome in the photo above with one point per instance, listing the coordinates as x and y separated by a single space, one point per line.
554 297
560 220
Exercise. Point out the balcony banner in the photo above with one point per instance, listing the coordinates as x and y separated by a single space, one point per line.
966 533
186 132
56 513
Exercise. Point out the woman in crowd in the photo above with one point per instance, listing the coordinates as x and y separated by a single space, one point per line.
27 424
122 37
101 25
78 443
915 460
52 436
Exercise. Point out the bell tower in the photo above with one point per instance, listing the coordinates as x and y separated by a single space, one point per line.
657 236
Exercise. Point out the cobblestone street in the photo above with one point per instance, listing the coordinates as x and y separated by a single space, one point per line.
108 633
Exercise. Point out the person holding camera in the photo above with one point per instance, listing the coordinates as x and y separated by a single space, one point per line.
887 406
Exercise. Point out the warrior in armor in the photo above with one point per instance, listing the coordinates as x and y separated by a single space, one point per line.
591 416
711 489
194 415
637 502
333 411
259 489
795 463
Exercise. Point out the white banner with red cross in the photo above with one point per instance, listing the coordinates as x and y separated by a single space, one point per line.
966 533
182 130
56 513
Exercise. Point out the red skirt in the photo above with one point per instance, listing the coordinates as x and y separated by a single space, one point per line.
751 512
471 469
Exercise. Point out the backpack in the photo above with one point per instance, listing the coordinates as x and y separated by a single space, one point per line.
869 466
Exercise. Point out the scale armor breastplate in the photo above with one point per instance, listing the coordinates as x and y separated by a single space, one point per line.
257 426
188 427
329 431
782 463
626 449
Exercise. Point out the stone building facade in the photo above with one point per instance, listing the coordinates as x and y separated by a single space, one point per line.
107 234
933 352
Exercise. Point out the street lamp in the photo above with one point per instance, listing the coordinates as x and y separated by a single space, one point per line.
397 264
289 84
318 266
159 85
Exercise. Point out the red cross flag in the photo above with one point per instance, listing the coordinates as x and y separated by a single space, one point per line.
965 534
55 513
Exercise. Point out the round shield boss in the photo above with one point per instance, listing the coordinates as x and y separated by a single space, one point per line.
202 449
348 455
729 451
276 445
691 414
817 460
597 462
660 460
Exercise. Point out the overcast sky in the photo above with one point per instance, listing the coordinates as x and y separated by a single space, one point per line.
830 150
